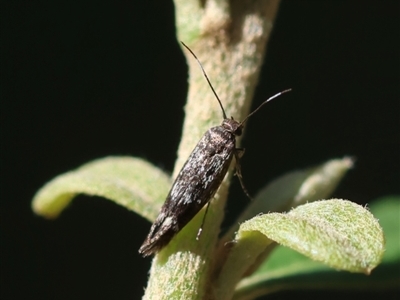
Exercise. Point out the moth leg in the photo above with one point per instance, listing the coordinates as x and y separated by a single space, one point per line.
202 222
239 152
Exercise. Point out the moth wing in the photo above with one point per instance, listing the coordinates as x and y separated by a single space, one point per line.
195 185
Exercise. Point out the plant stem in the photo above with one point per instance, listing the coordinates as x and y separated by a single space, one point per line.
229 38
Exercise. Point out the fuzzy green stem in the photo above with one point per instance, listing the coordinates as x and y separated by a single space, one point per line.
229 38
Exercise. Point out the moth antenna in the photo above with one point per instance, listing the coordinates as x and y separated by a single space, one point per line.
208 80
266 101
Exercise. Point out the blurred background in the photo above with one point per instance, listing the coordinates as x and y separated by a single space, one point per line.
89 79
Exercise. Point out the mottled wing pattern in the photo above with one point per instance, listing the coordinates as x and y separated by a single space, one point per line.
196 184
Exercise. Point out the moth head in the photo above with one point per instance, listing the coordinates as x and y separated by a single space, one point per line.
233 126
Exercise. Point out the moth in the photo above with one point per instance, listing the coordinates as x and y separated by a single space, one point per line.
199 178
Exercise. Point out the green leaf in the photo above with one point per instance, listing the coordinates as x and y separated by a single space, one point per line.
339 233
130 182
387 211
287 269
294 189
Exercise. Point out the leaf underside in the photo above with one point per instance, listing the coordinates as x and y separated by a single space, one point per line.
128 181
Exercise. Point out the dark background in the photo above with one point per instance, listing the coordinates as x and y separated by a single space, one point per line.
86 80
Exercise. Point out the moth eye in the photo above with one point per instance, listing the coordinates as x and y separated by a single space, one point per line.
238 131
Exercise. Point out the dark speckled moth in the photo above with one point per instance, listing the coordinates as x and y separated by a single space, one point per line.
199 179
